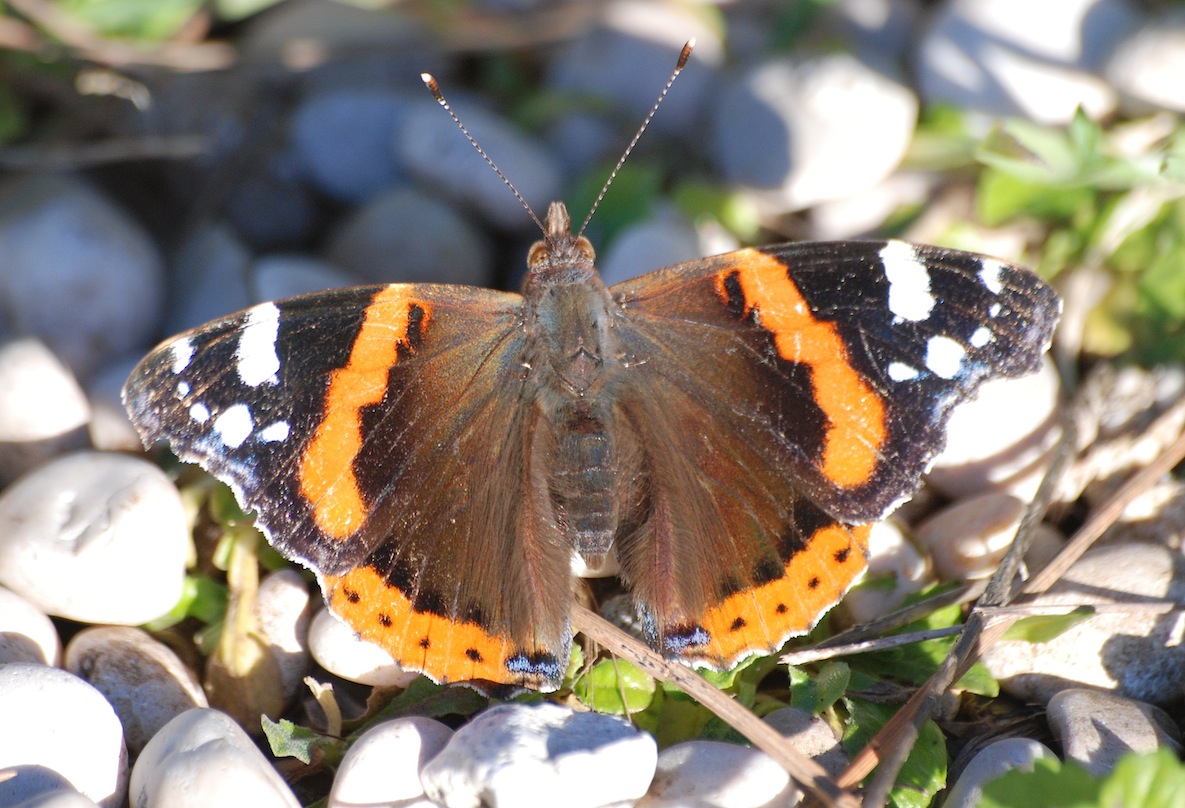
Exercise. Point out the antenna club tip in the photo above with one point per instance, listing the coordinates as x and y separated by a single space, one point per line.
685 54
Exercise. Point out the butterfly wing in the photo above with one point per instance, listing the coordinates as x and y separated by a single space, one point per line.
788 397
376 431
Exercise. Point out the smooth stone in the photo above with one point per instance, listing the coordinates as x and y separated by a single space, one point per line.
383 766
63 797
430 149
802 132
881 31
87 750
79 273
1147 67
111 429
1096 729
890 553
39 396
1133 653
541 754
271 207
210 268
43 411
623 57
26 633
340 651
812 736
995 759
966 540
284 608
407 236
202 758
721 774
143 680
975 56
344 139
1002 439
662 239
95 537
281 275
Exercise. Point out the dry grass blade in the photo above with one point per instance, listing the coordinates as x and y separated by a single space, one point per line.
806 772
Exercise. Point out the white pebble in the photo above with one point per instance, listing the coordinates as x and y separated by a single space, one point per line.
145 682
203 758
26 633
989 763
541 754
86 748
39 396
338 650
890 554
967 540
1135 653
283 608
1096 729
812 736
722 775
1003 438
96 537
383 766
79 273
63 798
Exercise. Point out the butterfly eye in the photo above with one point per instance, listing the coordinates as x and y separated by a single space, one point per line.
585 248
537 255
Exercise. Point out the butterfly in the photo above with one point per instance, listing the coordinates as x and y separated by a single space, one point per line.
726 429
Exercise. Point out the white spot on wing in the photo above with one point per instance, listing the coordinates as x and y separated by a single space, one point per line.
256 355
234 426
182 351
994 310
989 275
273 433
944 356
199 412
981 337
183 389
901 372
909 282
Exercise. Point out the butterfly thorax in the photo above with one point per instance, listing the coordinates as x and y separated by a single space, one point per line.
572 357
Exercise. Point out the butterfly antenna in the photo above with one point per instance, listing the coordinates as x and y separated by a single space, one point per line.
434 88
684 55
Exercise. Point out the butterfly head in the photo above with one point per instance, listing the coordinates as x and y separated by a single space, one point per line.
560 249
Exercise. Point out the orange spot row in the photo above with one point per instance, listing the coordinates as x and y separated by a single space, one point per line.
765 617
326 468
446 651
857 414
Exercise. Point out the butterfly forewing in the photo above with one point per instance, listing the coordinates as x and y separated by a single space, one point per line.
379 433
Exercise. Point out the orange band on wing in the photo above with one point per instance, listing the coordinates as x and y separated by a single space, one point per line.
445 650
326 467
857 431
765 617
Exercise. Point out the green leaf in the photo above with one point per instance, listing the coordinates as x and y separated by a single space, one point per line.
425 697
292 740
924 773
979 680
735 211
138 19
615 686
1050 784
1046 627
1154 780
817 691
